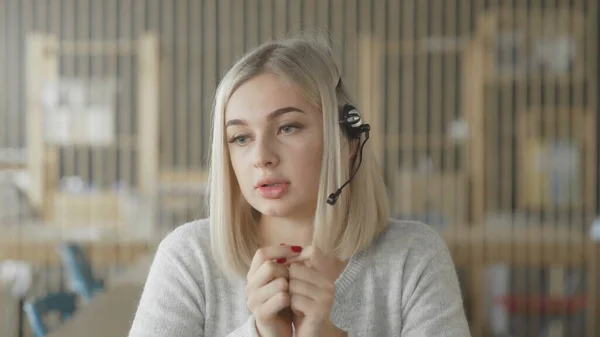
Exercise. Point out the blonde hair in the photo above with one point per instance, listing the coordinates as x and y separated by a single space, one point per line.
361 211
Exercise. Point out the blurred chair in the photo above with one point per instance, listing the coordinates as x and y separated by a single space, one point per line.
80 271
36 310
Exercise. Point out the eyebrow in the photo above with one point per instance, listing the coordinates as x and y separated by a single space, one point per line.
270 117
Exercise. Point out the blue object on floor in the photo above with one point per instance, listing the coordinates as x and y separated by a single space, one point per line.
61 302
80 271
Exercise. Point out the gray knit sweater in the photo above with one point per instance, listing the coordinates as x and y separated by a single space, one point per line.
405 284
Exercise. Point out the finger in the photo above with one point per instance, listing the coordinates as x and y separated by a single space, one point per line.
267 272
301 305
274 305
312 256
299 287
271 253
305 273
263 294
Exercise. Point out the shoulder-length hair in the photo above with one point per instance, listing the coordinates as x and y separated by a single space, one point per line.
362 209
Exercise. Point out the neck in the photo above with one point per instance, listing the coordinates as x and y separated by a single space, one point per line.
276 230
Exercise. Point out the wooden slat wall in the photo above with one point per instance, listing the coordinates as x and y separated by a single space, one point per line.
205 36
404 62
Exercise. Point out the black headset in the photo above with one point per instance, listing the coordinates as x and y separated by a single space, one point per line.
353 127
351 122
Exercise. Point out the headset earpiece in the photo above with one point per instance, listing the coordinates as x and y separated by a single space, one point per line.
352 123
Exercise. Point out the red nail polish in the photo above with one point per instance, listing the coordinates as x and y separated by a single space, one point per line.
296 249
282 260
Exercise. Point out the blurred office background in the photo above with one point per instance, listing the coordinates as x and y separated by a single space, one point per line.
485 120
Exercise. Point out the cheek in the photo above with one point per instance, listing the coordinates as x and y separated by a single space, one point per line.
238 166
309 163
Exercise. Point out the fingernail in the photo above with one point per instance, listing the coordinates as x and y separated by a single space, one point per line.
282 260
296 249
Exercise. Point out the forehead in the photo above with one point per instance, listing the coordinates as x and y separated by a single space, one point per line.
259 96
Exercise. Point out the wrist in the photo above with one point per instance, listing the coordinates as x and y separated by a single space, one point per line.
332 330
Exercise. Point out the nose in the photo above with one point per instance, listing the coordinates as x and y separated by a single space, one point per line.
265 154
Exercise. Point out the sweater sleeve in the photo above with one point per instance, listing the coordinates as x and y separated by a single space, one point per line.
246 330
172 303
434 305
169 306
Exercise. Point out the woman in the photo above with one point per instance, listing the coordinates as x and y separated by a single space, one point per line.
280 254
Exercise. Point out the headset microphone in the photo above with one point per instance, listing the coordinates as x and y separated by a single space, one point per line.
354 128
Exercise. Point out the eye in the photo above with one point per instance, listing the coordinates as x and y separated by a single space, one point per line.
287 129
240 140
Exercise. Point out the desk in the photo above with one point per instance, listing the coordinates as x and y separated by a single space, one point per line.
475 248
108 314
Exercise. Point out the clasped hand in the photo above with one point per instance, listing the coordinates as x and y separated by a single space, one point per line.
290 285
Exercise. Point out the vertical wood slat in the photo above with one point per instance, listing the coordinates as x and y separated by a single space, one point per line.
393 93
534 253
126 113
265 20
237 30
3 76
69 26
83 74
378 24
371 61
280 17
520 102
321 11
434 129
592 97
506 135
337 31
139 32
476 254
181 85
350 57
210 63
307 13
573 103
252 27
111 14
35 151
408 95
505 123
167 74
153 25
148 106
12 54
423 104
124 108
224 42
195 92
563 111
294 18
97 71
456 199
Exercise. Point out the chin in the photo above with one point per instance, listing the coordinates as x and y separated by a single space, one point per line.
278 208
272 208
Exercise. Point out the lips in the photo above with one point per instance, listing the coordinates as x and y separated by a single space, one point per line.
271 182
272 188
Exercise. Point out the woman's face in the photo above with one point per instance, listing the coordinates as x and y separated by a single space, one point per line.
275 140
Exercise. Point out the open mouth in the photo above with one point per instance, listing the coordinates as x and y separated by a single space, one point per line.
271 185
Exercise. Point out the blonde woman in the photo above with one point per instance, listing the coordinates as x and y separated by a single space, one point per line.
285 251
